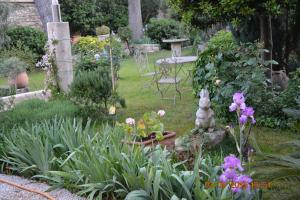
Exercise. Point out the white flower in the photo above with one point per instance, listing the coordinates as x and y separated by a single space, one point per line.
97 56
130 121
161 113
218 82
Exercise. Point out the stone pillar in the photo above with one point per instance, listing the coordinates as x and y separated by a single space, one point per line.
59 40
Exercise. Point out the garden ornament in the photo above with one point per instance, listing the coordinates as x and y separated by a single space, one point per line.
205 115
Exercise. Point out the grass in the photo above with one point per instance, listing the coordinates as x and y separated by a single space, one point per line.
140 99
36 80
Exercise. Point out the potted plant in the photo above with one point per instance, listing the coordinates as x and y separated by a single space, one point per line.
149 130
102 32
15 70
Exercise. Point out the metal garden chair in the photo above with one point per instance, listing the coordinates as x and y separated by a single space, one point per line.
167 78
142 61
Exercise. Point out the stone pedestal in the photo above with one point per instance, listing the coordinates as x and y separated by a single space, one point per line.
176 49
59 40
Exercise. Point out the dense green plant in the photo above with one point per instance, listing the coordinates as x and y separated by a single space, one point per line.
93 88
36 110
24 53
125 35
148 125
222 40
159 29
32 38
89 45
88 63
33 148
102 30
12 66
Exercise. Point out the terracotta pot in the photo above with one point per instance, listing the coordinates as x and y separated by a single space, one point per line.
168 141
21 80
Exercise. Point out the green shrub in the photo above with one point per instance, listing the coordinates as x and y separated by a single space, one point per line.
159 29
222 40
32 38
36 110
236 68
88 63
24 53
102 30
12 66
125 34
93 88
89 45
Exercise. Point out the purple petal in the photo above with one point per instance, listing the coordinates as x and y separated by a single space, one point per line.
233 107
243 119
243 106
238 98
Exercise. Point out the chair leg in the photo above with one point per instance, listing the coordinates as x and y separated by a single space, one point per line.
178 91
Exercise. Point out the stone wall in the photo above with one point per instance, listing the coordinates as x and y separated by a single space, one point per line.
25 13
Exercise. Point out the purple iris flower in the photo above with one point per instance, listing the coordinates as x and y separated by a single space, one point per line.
228 175
243 181
238 102
238 98
243 119
247 112
232 162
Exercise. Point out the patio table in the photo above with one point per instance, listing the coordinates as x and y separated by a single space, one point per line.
176 45
179 62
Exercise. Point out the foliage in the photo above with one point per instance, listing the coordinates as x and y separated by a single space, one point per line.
125 35
144 40
223 40
93 88
32 38
102 30
36 110
34 148
96 164
89 45
24 53
113 13
150 123
232 68
12 66
159 29
7 91
88 63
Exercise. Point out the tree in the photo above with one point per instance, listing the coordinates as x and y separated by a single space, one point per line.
135 19
274 22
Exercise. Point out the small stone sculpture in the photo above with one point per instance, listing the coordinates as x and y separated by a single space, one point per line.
205 115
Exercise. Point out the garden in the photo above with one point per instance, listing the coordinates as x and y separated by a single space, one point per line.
150 99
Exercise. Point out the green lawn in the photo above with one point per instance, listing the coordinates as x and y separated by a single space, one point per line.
140 98
36 80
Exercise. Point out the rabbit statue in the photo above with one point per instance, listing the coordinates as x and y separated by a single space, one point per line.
205 115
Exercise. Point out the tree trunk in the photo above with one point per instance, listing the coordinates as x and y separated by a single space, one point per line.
45 12
265 36
135 19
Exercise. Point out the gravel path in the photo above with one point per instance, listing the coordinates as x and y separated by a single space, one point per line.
8 192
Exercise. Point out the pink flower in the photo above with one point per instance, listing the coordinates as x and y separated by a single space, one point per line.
161 113
130 121
232 162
